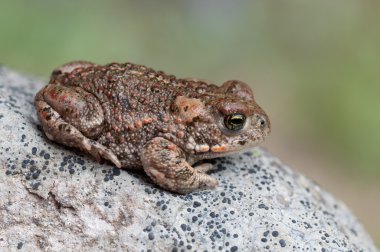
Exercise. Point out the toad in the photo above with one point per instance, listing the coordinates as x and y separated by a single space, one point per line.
139 118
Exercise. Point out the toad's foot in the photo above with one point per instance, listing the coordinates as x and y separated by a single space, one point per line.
205 167
61 121
99 151
165 164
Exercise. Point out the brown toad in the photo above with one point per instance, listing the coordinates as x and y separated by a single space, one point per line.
140 118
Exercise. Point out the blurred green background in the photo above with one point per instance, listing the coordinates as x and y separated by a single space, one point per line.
314 67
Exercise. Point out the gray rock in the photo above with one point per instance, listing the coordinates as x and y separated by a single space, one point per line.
55 199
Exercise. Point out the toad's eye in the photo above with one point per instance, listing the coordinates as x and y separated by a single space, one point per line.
234 122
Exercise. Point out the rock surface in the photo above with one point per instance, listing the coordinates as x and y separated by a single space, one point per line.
56 199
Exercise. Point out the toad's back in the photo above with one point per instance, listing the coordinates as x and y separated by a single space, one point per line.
136 102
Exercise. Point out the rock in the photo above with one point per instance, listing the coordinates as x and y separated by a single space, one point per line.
53 198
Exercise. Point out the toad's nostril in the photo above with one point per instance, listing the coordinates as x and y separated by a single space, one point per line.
262 122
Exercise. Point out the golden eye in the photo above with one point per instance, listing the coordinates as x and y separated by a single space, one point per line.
234 122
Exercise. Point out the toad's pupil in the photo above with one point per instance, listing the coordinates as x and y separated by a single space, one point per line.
237 121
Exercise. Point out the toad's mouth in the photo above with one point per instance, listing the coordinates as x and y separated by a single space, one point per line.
223 150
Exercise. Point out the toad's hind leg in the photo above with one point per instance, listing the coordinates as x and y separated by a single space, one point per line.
166 165
72 116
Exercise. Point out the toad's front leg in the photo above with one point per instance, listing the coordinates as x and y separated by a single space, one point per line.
166 165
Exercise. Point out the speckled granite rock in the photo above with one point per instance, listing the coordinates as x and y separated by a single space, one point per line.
55 199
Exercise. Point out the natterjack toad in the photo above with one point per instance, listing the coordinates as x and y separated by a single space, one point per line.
140 118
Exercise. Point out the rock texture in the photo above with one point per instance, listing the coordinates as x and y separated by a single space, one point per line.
56 199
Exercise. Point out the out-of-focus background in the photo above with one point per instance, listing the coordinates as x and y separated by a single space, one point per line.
314 67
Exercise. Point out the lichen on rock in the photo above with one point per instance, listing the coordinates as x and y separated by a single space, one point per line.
53 198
